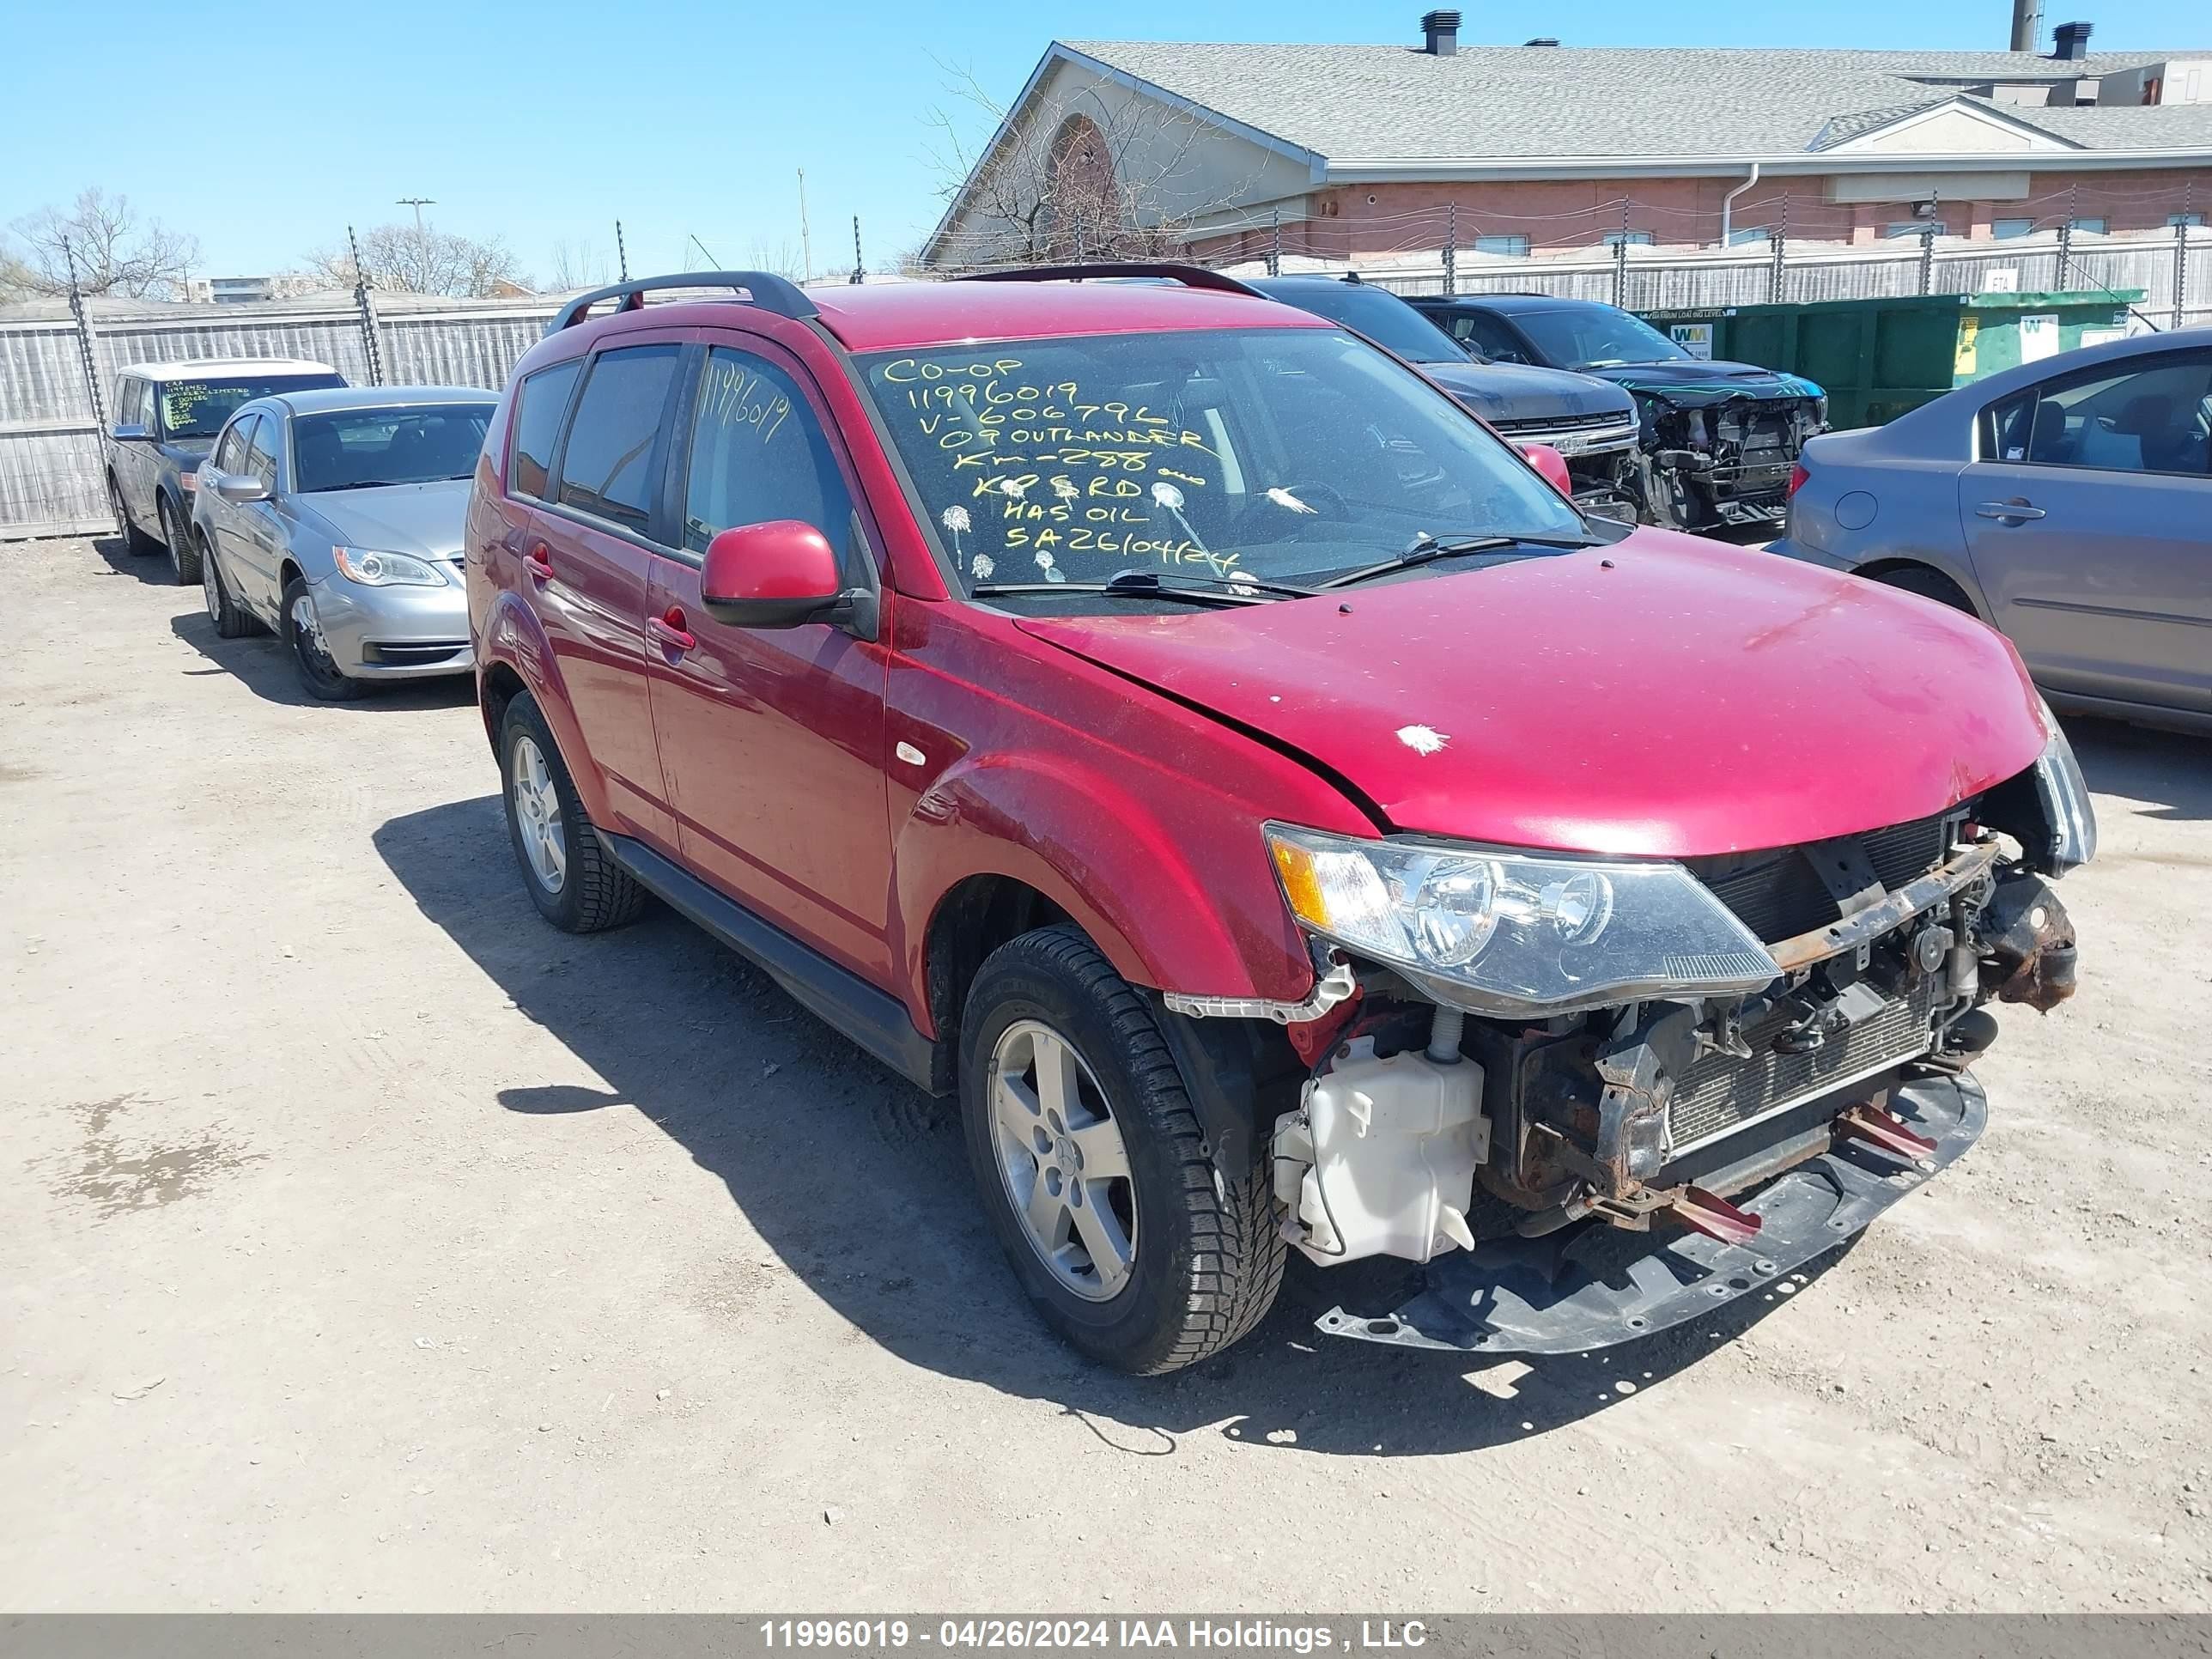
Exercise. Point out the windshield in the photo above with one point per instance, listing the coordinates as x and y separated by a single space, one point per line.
353 448
1289 454
1596 337
197 409
1381 316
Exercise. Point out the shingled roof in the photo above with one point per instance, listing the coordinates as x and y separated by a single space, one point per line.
1344 102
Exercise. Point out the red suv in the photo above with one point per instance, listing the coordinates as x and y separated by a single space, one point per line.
1179 729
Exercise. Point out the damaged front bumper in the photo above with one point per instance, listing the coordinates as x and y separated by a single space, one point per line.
1592 1286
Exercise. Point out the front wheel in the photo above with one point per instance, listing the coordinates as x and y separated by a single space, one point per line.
311 654
184 552
1092 1168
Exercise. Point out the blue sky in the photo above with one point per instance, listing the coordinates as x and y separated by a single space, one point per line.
264 128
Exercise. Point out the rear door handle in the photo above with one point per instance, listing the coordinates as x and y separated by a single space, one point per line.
669 631
538 562
2013 509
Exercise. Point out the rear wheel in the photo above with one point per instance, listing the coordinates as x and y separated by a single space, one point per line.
570 875
1927 583
1092 1169
230 619
135 540
311 653
184 552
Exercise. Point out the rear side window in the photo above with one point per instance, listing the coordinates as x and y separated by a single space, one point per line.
539 403
757 455
2154 416
610 466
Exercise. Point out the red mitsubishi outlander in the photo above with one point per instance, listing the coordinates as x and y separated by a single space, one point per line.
1179 729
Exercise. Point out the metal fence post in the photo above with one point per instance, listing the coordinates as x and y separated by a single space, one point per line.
1275 244
1621 270
2065 250
85 354
1774 263
2180 270
1927 257
859 270
372 346
1451 247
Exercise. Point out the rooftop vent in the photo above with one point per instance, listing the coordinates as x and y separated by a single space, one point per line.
1542 40
2071 42
1440 33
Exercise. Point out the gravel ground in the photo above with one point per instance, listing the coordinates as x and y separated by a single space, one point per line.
369 1245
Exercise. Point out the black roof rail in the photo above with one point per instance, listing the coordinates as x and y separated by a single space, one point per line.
770 292
1188 276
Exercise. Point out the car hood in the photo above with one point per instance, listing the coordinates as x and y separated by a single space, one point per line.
424 518
1502 393
1694 384
186 453
1664 697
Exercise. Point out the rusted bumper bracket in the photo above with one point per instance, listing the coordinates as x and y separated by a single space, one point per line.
1592 1286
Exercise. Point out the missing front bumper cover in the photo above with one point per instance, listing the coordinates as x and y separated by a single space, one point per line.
1573 1291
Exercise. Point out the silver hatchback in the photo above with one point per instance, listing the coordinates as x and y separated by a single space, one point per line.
334 519
2066 502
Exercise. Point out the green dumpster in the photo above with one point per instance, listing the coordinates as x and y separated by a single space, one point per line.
1877 358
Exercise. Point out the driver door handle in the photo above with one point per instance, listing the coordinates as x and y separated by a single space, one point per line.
538 562
2016 510
669 631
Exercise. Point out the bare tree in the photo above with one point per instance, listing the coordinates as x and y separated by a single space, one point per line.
410 260
580 264
1087 172
116 250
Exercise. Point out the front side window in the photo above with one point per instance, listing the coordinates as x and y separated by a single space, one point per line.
1289 454
1487 335
758 454
197 409
1596 337
539 403
260 458
229 454
1379 314
361 448
2153 416
610 466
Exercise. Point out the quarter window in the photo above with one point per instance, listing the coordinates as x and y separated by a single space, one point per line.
2154 416
539 403
758 454
610 466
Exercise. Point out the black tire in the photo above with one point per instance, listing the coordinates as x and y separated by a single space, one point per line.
1927 583
1208 1258
594 891
135 540
232 620
184 552
318 673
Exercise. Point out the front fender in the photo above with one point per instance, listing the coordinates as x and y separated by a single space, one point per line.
512 636
1178 894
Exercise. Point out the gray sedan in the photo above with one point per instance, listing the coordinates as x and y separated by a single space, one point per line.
2066 502
334 519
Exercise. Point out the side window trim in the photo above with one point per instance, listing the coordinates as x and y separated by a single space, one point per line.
555 471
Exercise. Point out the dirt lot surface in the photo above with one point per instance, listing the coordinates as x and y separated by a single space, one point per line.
369 1245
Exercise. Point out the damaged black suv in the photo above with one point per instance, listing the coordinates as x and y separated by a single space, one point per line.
1715 440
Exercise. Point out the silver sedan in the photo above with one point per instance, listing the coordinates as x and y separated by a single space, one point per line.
2067 502
333 517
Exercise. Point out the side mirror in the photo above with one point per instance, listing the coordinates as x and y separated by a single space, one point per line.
1552 464
129 433
781 574
239 489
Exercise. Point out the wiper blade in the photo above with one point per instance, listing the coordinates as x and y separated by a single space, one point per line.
1423 548
1152 581
362 483
1126 591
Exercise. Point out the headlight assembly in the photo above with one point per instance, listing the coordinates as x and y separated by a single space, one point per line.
1515 934
375 569
2066 806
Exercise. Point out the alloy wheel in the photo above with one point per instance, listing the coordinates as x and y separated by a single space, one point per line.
307 640
537 816
210 585
1063 1161
172 540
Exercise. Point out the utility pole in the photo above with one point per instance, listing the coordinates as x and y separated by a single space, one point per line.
418 203
805 240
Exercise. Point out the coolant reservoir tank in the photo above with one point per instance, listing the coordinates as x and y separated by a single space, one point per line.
1394 1146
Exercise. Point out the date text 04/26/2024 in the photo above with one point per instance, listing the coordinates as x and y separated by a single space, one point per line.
989 1635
